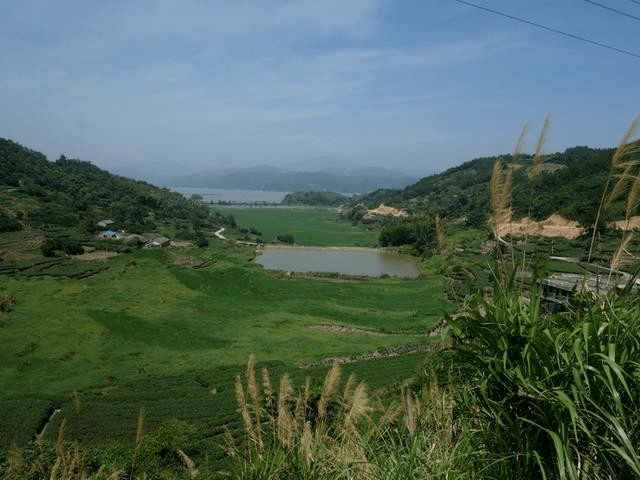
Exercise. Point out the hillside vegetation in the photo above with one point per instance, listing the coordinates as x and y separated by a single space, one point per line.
500 389
67 193
571 186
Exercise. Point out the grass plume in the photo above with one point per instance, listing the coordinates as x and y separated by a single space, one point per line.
329 388
625 161
538 158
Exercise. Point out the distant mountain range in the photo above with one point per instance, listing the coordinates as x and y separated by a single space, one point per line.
269 178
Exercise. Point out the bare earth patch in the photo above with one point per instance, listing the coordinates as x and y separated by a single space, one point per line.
342 329
98 255
554 226
632 224
324 327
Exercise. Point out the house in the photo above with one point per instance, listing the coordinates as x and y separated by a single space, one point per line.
558 291
105 223
158 242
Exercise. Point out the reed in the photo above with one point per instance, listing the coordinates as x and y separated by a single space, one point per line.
624 167
356 439
538 158
328 390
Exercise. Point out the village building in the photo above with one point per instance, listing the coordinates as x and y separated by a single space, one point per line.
558 291
158 242
105 223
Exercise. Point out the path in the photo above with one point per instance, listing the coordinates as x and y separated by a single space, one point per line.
219 234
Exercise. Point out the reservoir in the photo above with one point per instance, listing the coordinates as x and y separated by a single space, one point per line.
346 261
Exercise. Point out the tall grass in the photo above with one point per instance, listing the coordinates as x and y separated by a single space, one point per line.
340 432
624 167
554 396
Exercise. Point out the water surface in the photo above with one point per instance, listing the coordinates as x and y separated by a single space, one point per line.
368 262
216 195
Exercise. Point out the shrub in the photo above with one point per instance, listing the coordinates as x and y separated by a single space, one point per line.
288 238
555 396
61 244
9 224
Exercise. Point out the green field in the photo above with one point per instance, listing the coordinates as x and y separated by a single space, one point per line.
313 226
169 330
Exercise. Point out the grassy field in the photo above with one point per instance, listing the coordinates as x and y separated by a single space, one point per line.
169 330
313 226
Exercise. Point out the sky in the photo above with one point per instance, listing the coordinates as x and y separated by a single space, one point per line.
418 85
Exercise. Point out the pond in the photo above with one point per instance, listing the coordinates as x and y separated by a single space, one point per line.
346 261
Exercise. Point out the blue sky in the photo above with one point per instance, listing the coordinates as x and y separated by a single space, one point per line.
421 85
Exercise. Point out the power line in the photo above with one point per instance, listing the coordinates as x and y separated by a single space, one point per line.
571 35
635 1
612 9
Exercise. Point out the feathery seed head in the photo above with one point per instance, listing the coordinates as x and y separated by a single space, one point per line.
328 389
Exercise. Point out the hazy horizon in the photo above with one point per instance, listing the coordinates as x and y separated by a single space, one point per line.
418 86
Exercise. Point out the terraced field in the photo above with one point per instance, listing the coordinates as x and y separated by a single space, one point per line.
99 340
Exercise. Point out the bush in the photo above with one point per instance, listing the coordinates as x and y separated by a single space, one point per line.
9 224
555 396
288 238
61 244
202 241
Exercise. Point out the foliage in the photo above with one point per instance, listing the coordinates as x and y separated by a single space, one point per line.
554 396
9 224
338 432
328 199
570 185
420 233
286 238
61 244
67 192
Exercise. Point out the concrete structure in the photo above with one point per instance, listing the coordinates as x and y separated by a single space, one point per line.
558 290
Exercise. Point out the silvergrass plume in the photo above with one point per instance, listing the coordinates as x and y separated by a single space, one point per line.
538 158
349 389
391 413
16 462
302 403
357 408
231 448
60 440
252 390
244 409
140 427
188 463
266 385
306 443
632 198
517 153
409 412
621 161
621 256
328 389
500 195
285 424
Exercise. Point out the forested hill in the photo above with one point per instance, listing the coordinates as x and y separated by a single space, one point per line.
68 193
571 185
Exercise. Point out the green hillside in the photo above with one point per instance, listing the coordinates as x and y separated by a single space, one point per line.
68 193
131 364
572 186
